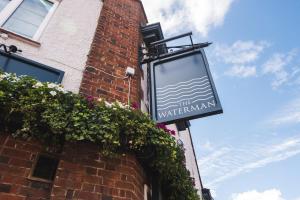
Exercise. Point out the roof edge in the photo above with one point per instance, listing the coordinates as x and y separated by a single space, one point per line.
143 9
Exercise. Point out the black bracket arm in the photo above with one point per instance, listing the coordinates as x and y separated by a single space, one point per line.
10 49
159 49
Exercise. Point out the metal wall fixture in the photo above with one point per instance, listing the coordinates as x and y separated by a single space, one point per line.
10 49
158 49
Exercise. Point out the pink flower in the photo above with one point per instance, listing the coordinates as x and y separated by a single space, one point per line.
90 98
135 105
91 102
173 132
164 127
161 126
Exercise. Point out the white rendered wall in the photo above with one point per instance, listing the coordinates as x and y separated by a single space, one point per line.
191 160
191 165
144 84
66 40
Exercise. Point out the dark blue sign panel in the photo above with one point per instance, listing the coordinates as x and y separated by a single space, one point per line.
183 89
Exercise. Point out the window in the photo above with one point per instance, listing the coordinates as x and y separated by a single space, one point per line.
22 66
147 192
44 168
26 17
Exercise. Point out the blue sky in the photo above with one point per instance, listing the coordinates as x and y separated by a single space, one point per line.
252 151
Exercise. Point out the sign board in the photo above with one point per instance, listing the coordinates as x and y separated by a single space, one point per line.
182 88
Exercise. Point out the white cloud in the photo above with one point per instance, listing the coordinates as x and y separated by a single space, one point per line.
289 114
229 162
208 146
214 156
240 52
272 194
241 71
205 14
199 15
277 66
242 58
240 55
213 193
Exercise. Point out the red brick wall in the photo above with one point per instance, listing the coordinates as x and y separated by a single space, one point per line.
115 46
16 161
82 173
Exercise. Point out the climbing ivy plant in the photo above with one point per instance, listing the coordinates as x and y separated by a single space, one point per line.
45 111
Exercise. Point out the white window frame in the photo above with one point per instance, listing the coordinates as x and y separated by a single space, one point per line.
147 190
10 8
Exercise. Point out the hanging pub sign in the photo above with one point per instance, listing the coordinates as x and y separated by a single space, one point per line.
182 88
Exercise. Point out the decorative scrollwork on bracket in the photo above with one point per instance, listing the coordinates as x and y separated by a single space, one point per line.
10 49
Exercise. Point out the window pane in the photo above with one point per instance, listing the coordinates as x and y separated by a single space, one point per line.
3 61
45 167
3 3
21 66
28 17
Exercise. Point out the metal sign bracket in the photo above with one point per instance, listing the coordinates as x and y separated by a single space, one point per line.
158 49
10 49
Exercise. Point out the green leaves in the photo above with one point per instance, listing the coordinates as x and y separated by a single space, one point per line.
45 111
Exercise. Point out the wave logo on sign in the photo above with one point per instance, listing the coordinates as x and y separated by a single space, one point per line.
192 91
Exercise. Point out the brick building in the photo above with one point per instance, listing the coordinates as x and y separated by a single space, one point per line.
87 46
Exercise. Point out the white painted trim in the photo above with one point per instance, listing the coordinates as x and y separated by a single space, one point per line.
9 10
46 20
14 4
146 191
